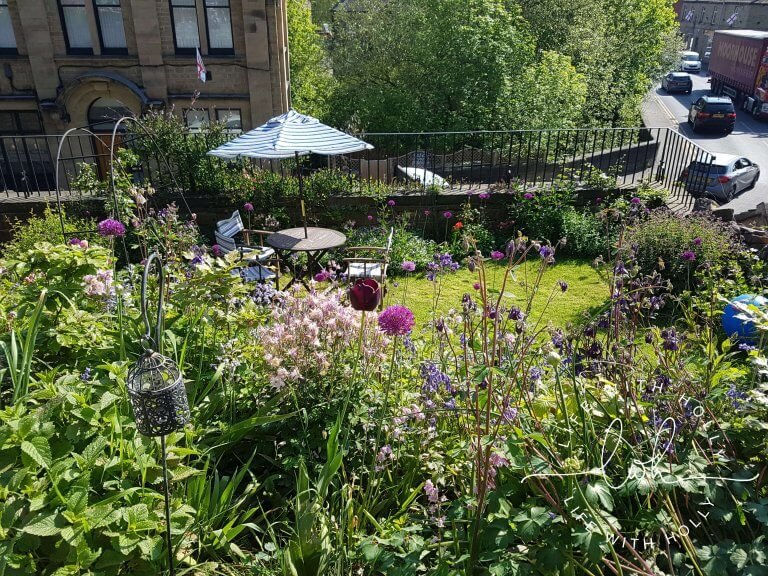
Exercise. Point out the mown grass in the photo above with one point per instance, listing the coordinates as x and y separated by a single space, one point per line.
587 290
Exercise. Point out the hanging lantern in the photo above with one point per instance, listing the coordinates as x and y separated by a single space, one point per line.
156 390
158 396
155 385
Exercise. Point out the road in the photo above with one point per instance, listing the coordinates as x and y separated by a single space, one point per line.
749 137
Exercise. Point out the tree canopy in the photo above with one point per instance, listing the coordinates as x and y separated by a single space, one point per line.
424 65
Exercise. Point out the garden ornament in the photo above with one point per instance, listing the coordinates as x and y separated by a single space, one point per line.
156 388
745 330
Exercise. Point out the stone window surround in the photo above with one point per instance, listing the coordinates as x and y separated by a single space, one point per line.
201 8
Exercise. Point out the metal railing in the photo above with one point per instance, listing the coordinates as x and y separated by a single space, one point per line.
440 162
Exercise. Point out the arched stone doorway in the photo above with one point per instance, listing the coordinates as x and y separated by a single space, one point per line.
104 112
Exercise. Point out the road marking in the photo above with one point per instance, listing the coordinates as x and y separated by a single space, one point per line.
666 110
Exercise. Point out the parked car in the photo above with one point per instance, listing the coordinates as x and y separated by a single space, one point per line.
723 179
690 62
677 82
714 112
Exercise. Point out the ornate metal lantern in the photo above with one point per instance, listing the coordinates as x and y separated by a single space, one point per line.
155 385
156 389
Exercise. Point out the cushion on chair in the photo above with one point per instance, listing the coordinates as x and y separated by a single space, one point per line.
365 270
256 274
227 243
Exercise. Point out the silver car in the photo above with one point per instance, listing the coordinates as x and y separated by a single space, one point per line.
723 179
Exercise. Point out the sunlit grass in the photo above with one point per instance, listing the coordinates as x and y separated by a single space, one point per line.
586 290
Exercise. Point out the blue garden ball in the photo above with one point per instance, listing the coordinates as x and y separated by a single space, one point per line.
744 329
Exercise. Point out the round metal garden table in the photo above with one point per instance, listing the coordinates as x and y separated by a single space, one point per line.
316 244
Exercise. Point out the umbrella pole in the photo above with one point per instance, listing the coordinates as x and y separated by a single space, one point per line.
301 195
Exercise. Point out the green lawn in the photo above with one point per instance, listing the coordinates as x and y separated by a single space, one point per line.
586 290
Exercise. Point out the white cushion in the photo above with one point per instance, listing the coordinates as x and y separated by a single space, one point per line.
364 270
254 274
257 253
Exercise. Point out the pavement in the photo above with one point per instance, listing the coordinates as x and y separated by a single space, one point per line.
749 137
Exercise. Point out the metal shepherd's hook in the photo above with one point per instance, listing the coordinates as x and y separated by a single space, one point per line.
156 389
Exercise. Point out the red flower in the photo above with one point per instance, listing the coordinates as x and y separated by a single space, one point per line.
458 226
365 294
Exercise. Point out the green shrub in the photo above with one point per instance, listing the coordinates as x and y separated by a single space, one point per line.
539 214
586 235
47 227
676 246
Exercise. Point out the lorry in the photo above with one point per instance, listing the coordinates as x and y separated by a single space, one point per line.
738 67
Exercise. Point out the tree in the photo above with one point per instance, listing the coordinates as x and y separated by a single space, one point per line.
619 46
422 65
311 78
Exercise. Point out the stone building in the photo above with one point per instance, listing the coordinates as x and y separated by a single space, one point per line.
700 18
71 63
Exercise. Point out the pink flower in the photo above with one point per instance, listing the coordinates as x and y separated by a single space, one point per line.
635 200
248 207
476 285
496 255
447 214
427 212
484 195
396 321
688 256
216 249
697 241
528 196
408 266
370 218
390 203
322 276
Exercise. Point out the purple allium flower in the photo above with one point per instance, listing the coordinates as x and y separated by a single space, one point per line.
248 207
547 253
563 285
322 276
74 242
635 200
598 200
476 285
111 228
484 195
447 214
216 249
688 255
528 196
408 266
370 218
396 320
697 241
391 203
497 255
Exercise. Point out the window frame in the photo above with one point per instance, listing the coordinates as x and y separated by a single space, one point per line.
18 129
183 51
221 114
8 50
105 50
219 51
205 123
70 50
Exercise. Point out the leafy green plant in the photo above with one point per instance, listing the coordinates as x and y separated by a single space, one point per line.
18 356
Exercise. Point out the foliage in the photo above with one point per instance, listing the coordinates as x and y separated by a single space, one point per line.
311 78
618 47
428 65
39 228
586 235
539 214
677 246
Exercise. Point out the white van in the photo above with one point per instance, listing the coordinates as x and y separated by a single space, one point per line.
690 62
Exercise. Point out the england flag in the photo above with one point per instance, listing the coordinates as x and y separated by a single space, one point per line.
202 73
732 19
689 16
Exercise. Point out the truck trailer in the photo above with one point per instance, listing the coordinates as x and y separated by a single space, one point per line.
738 67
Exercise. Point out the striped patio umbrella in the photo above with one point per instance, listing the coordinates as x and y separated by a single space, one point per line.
290 134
